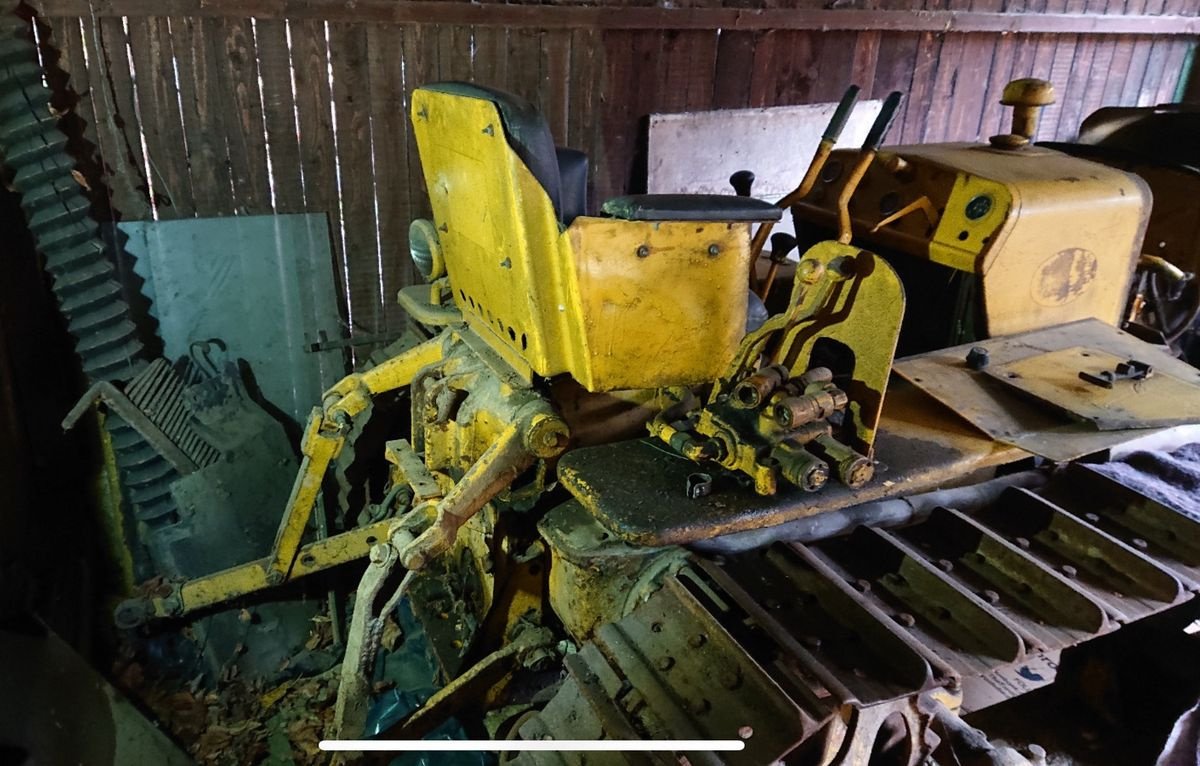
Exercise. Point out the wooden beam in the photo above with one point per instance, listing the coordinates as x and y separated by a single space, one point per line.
610 17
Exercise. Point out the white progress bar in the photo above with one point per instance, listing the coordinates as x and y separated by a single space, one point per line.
513 746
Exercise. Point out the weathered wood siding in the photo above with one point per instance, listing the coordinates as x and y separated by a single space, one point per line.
222 108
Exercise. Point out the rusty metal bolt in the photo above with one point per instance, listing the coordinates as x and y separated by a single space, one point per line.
665 663
730 679
978 358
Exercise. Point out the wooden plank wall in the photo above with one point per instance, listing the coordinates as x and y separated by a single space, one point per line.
229 115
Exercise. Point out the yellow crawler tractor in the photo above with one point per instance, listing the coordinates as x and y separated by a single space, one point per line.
684 521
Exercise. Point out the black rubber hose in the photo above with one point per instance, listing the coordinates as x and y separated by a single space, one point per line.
893 512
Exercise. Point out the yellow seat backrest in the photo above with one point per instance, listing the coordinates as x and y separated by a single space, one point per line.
616 304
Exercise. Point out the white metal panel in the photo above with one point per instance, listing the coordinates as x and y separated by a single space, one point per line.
696 152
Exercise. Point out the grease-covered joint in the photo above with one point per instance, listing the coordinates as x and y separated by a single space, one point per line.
546 435
757 388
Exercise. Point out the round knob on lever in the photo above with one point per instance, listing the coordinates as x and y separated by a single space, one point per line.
781 244
742 181
1027 96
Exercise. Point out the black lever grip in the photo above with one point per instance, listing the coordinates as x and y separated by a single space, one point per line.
781 244
838 121
883 122
741 181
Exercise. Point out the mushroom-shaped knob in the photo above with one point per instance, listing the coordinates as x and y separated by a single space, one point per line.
1027 96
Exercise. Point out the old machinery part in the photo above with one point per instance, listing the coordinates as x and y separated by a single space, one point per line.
805 650
769 423
83 279
988 255
1027 97
1130 370
866 156
153 404
829 139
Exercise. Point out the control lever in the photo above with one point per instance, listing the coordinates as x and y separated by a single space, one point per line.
782 243
829 139
866 156
742 181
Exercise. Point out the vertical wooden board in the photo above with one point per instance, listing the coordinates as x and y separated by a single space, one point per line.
1156 61
734 69
764 76
700 86
279 114
454 43
894 71
981 54
1123 48
866 60
420 68
525 63
1008 49
491 56
238 90
1102 62
121 144
675 72
207 157
1071 61
1140 56
833 66
356 177
554 88
618 124
67 38
583 128
389 141
1173 73
910 125
315 121
1176 55
942 98
162 125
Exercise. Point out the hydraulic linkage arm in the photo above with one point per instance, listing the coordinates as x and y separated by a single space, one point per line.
324 437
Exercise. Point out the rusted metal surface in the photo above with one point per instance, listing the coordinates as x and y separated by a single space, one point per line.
1008 415
1113 402
638 490
812 649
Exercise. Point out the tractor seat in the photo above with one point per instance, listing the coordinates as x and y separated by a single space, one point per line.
691 207
561 172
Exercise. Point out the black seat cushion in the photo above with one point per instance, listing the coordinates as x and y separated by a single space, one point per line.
524 128
573 172
691 207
